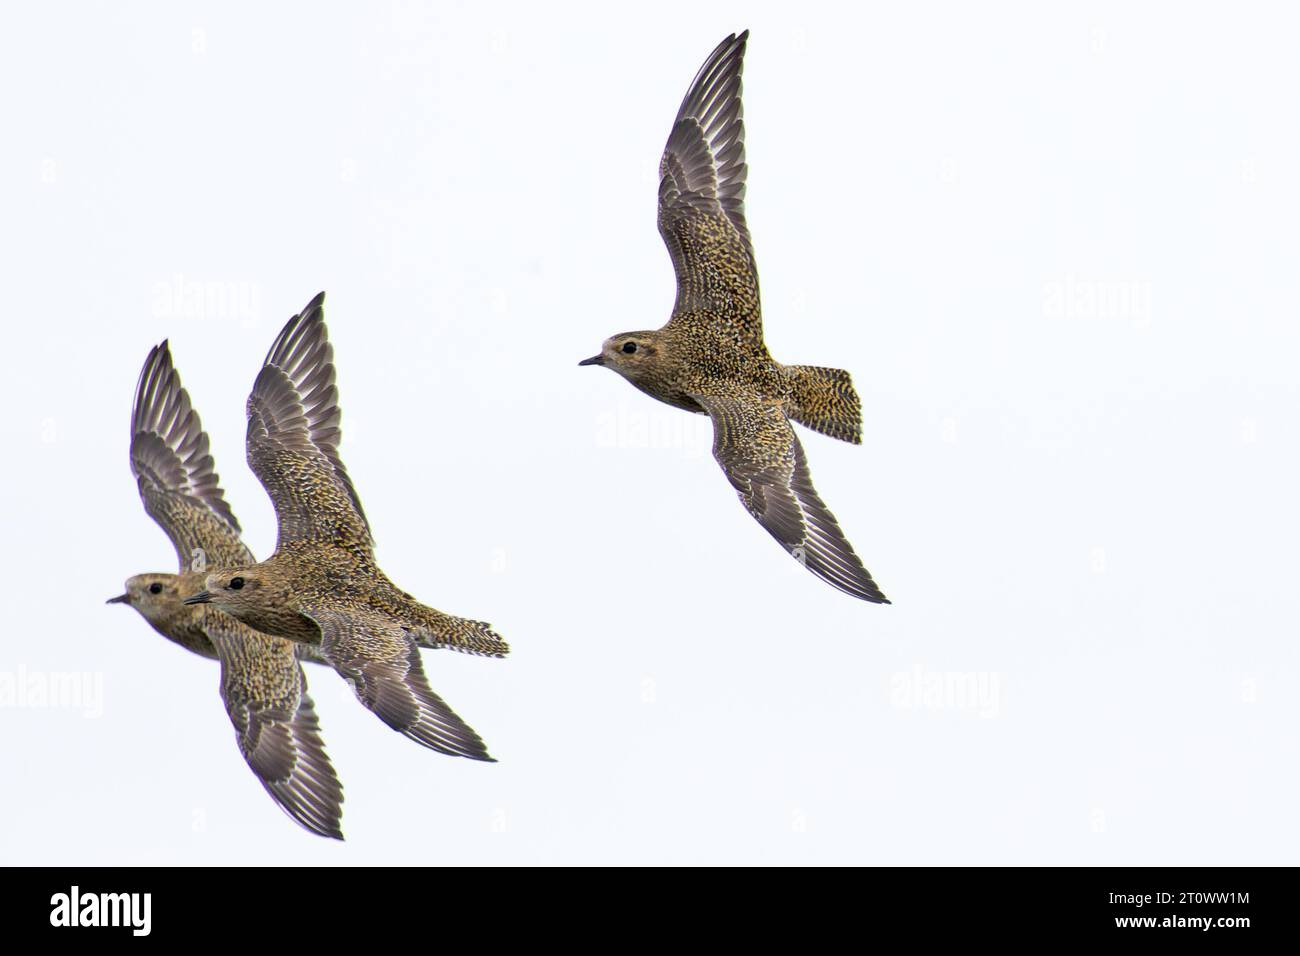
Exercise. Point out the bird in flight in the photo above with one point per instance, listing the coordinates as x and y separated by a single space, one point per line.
262 683
711 358
322 586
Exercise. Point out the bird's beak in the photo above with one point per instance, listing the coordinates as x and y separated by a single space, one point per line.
594 360
203 597
120 599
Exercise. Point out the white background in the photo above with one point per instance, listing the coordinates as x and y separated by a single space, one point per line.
1058 250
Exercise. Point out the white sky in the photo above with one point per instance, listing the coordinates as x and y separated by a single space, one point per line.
1057 248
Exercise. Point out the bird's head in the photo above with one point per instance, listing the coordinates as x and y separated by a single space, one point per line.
240 592
156 596
636 356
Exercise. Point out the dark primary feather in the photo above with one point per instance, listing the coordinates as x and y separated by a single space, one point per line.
382 663
765 463
703 165
702 190
293 437
175 473
265 693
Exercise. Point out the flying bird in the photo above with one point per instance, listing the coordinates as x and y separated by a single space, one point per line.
322 586
262 683
711 358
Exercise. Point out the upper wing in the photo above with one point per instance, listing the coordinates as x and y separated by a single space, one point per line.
382 663
293 437
763 460
702 194
174 472
265 693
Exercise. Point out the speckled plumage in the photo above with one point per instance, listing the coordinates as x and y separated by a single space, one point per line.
262 684
711 358
322 586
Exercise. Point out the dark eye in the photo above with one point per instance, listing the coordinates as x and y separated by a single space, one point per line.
236 583
629 348
155 588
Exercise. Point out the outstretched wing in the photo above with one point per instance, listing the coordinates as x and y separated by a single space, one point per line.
293 437
265 693
763 460
174 471
382 663
702 194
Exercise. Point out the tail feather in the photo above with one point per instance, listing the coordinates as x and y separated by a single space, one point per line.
437 630
825 400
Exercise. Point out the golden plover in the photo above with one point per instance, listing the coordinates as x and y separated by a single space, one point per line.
711 358
322 585
262 683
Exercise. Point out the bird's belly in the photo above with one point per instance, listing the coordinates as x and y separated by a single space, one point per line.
673 397
191 638
283 622
299 629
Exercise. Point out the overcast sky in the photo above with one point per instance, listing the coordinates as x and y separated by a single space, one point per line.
1056 248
